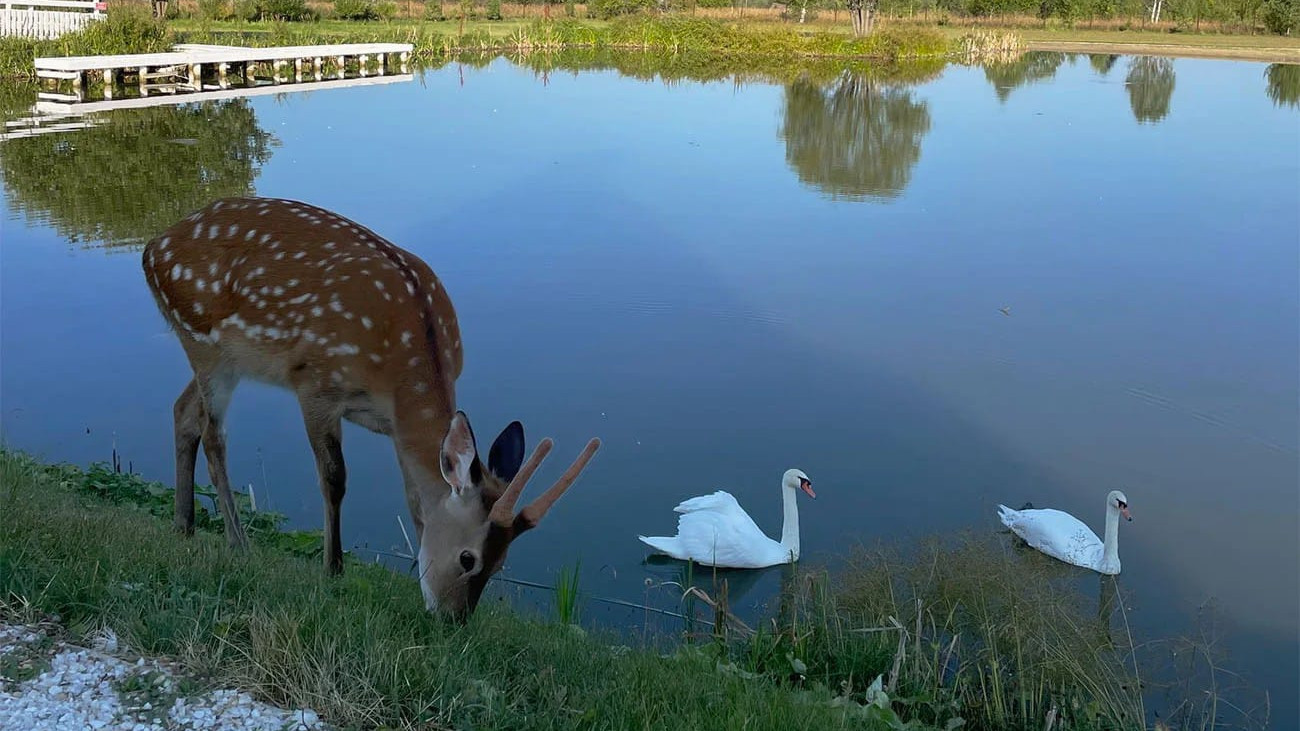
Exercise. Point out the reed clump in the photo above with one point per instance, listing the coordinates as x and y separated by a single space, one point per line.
990 45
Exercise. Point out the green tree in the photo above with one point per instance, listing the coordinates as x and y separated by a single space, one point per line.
1283 84
1150 84
863 15
855 138
134 172
1025 69
1102 63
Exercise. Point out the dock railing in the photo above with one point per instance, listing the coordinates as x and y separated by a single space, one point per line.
46 19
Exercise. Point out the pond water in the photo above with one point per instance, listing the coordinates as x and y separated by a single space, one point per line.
933 292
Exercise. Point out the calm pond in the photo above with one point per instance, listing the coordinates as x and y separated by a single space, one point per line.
933 292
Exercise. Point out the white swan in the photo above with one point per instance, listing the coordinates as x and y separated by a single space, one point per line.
715 531
1063 536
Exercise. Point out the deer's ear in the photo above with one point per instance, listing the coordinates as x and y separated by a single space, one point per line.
460 465
507 452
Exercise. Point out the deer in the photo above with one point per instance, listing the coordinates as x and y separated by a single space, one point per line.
289 294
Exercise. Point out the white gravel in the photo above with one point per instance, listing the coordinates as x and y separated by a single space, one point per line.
46 683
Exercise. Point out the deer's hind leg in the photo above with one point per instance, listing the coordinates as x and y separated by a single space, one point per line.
214 387
189 417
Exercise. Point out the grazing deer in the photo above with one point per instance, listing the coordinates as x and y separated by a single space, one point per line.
292 295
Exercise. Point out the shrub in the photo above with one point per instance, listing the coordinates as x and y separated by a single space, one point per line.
494 10
355 10
605 9
1281 16
214 9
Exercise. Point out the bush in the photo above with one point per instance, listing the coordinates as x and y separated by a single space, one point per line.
1281 16
355 10
283 9
246 10
214 9
127 29
606 9
494 10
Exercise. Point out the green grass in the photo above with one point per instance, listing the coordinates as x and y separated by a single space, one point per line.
360 649
127 31
971 634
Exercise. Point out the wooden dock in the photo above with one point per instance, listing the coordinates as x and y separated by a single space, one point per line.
49 110
187 68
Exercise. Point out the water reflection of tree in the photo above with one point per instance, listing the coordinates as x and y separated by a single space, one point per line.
1150 83
1102 63
1283 84
855 138
1007 76
122 181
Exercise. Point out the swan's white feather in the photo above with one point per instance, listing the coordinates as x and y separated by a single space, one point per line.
715 531
1057 534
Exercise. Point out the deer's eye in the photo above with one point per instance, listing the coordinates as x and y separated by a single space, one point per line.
467 560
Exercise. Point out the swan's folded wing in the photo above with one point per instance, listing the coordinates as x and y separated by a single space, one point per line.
1059 534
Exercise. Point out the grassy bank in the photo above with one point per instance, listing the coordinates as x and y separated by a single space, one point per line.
968 635
129 30
440 30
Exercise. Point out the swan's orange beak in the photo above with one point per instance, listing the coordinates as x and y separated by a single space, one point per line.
1124 512
806 486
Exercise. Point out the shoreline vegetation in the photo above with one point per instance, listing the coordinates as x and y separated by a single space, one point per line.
439 30
969 632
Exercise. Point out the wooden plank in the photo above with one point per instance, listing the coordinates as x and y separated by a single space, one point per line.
36 4
228 55
153 101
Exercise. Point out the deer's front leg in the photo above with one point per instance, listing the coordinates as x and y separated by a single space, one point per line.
325 433
215 391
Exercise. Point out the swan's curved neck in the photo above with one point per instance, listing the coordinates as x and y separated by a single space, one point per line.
790 528
1110 543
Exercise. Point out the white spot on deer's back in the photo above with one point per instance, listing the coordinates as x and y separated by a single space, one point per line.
198 308
201 285
343 349
213 230
421 387
167 256
232 229
366 322
176 272
376 358
406 338
317 312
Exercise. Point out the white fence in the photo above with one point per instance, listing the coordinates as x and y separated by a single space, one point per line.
47 18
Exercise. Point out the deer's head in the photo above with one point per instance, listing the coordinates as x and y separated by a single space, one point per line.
468 531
